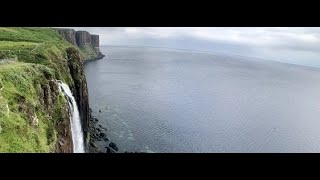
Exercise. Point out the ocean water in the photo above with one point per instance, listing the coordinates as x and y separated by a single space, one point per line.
166 100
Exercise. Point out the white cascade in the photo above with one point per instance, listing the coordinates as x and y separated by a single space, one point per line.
76 129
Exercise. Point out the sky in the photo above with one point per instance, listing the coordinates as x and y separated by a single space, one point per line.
296 45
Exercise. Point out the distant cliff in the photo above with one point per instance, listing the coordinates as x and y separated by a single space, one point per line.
88 43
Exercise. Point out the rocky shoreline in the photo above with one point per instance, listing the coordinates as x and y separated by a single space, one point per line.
97 134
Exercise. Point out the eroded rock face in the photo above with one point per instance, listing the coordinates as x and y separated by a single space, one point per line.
49 97
64 133
69 35
80 89
95 40
83 38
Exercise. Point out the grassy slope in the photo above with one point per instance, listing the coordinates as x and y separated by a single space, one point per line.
87 52
39 51
19 99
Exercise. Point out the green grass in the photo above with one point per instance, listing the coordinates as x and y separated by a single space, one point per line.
26 39
19 98
29 34
15 46
87 52
36 45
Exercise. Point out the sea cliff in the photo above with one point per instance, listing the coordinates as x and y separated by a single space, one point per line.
86 42
34 115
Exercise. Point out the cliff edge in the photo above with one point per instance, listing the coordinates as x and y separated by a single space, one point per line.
34 114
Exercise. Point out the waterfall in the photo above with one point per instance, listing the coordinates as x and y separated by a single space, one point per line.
76 129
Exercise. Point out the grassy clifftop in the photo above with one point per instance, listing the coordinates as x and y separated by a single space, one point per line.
18 34
33 113
35 45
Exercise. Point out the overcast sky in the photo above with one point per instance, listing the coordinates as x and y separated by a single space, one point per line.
296 45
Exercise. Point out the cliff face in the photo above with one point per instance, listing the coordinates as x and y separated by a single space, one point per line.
69 35
95 40
83 38
86 42
79 88
34 115
89 50
89 47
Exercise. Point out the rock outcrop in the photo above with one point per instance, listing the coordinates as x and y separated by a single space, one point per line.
88 43
69 35
95 40
83 38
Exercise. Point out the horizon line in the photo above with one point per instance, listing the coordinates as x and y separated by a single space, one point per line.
210 52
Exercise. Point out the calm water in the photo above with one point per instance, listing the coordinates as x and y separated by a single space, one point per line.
162 100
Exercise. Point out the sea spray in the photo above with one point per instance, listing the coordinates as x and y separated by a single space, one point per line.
76 129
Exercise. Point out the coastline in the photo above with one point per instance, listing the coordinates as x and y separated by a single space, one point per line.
96 132
94 59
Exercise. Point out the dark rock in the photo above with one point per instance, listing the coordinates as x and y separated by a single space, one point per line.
113 146
96 120
95 40
102 135
95 136
83 38
68 34
106 139
101 127
100 111
61 142
93 145
110 150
